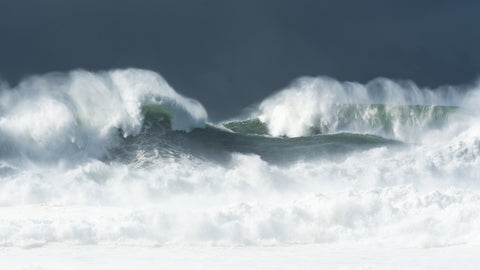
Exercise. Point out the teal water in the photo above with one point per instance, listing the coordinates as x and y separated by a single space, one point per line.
377 118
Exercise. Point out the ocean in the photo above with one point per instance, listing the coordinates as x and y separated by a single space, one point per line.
116 164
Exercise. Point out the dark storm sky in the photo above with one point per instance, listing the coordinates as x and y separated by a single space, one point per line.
229 54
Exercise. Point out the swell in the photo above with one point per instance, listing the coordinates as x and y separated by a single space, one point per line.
216 144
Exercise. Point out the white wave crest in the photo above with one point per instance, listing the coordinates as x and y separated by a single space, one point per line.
313 102
76 113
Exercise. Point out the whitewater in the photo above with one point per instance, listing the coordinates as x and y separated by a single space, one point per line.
115 169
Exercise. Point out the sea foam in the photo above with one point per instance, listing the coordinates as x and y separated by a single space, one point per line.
115 183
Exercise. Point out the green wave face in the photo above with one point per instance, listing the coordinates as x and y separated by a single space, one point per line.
156 114
251 126
381 118
377 119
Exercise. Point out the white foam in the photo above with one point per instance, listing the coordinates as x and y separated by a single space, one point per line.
418 196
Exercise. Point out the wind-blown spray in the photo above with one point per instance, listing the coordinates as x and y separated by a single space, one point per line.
119 158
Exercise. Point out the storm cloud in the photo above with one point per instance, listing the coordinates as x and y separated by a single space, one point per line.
230 54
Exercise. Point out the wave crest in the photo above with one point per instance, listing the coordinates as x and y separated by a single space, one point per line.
58 114
324 105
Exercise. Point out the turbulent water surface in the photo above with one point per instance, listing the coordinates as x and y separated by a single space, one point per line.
120 158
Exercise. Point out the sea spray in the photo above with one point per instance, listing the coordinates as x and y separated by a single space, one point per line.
118 158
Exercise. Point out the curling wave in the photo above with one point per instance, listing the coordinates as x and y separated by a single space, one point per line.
80 113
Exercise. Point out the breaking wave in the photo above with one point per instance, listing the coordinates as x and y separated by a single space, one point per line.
394 109
118 157
80 113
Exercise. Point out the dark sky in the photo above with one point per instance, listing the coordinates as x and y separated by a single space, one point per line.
230 54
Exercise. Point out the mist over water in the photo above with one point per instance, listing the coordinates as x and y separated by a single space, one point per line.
118 157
